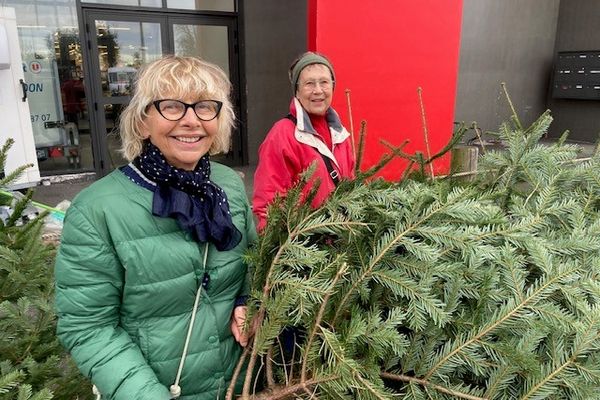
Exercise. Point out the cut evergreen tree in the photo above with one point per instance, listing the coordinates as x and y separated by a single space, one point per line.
33 364
435 289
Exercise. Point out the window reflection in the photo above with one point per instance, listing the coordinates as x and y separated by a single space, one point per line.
113 139
51 52
205 41
123 47
53 69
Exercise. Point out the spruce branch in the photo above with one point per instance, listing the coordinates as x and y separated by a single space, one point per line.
586 341
368 387
408 170
514 115
280 393
236 373
425 131
4 151
383 161
10 380
456 137
397 150
386 245
417 158
425 383
269 368
512 309
28 343
361 147
14 175
349 104
477 130
19 208
301 229
499 380
311 337
464 290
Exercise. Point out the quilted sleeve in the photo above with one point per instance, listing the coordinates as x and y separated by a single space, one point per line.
89 283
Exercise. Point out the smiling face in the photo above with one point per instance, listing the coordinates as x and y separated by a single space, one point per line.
182 142
315 98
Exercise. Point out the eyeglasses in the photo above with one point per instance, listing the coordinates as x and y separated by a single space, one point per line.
174 110
324 84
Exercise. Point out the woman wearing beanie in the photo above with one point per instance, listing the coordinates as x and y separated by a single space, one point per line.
311 132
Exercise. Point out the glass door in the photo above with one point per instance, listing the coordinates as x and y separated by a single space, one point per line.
119 43
211 39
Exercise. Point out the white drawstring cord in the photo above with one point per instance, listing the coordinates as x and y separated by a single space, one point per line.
175 389
96 392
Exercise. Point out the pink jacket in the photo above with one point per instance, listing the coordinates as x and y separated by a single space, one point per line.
289 149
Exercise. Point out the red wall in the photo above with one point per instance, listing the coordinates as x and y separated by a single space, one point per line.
383 50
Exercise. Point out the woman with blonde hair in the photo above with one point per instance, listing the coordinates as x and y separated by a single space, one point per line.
150 282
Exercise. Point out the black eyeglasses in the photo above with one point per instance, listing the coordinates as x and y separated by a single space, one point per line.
174 110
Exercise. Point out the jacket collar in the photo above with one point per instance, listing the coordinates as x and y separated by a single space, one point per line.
303 124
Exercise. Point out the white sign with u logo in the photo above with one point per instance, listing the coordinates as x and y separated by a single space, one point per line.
45 104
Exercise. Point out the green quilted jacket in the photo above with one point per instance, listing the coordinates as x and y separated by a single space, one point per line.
125 287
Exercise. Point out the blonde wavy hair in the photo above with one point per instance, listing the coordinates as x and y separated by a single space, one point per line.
175 77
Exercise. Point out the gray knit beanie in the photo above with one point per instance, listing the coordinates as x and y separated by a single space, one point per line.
305 60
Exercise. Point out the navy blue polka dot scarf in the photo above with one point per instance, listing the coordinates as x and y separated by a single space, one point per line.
199 205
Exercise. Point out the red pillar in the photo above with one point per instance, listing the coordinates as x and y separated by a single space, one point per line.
383 51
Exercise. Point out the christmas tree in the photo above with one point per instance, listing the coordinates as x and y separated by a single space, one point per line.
448 288
33 365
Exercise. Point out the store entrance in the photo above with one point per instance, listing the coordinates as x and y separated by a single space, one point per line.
120 42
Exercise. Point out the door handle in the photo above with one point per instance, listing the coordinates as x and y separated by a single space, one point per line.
24 88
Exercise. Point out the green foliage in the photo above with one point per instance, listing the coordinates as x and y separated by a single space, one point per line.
33 364
437 289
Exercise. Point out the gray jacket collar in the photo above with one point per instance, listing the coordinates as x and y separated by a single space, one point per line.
305 133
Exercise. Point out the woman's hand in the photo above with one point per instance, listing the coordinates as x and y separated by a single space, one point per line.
238 319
